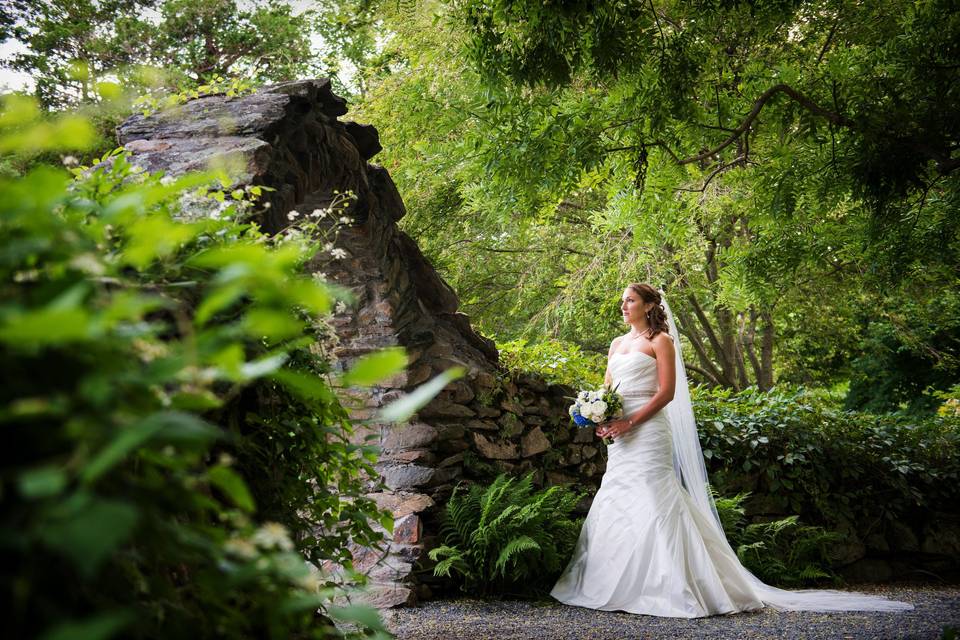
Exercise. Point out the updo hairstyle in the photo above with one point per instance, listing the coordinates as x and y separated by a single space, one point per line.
657 316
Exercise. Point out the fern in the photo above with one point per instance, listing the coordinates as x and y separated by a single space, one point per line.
506 537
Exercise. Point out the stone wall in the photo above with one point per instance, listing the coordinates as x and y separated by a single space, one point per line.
288 137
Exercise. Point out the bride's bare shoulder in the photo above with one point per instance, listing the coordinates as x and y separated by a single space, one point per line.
662 338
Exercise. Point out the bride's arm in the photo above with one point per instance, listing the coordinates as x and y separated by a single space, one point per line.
607 378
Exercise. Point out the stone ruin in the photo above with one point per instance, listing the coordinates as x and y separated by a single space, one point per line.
288 137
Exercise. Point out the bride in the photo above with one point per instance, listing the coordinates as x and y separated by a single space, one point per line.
652 542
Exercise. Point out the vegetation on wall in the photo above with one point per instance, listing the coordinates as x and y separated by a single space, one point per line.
182 465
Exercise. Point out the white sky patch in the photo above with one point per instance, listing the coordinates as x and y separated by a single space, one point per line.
11 80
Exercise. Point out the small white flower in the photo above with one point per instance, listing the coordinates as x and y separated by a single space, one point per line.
319 275
318 213
340 307
338 254
70 161
345 220
328 246
266 205
293 215
273 535
312 582
240 547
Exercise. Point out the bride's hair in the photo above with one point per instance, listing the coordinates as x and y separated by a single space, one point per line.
657 316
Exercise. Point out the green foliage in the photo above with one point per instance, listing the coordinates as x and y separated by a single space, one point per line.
915 348
781 552
506 538
75 46
825 464
179 448
556 361
950 401
149 103
540 194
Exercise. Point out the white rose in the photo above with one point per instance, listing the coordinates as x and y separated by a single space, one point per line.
600 406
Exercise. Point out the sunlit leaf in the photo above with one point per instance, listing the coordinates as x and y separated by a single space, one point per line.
233 485
402 408
376 367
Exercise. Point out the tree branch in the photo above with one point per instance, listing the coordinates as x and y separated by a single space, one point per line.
758 105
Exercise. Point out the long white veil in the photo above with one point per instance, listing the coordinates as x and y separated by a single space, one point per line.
690 468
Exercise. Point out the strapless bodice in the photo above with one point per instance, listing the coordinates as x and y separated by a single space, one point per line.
634 374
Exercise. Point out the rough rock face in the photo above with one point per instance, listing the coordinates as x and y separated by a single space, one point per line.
288 137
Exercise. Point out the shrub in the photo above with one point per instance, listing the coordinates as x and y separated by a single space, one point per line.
558 362
506 538
840 469
178 447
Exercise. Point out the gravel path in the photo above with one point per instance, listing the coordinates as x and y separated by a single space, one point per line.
936 607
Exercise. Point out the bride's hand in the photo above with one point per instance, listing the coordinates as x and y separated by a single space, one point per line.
612 429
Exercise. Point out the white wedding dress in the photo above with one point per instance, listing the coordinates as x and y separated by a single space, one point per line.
647 547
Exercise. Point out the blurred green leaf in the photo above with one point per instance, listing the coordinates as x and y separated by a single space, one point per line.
306 386
202 400
42 482
401 409
156 236
363 615
375 367
233 485
167 426
87 529
263 366
102 626
44 327
216 301
273 324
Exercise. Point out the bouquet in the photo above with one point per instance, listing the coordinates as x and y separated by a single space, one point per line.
593 407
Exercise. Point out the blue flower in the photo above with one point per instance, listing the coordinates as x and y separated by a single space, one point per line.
580 420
